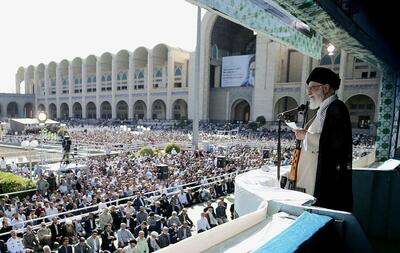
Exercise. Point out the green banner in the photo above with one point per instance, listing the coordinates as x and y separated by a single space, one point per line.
263 17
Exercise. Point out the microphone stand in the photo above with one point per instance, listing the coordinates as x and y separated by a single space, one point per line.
281 117
278 168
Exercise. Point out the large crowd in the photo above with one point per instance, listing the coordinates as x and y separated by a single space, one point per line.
118 203
151 205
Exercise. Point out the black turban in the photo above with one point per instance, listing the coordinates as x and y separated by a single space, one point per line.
324 76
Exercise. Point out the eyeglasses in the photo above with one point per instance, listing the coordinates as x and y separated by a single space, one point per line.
314 87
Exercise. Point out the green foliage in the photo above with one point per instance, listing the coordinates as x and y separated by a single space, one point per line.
62 132
261 120
253 125
12 183
159 152
146 151
169 148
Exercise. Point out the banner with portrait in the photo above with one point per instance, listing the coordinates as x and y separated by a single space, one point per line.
238 71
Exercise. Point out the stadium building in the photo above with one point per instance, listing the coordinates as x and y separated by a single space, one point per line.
157 83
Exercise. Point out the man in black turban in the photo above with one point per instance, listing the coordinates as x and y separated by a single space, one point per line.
324 168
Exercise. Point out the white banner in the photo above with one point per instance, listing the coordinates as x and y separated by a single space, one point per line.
238 71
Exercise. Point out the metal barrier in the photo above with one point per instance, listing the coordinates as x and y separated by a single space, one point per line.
18 192
126 198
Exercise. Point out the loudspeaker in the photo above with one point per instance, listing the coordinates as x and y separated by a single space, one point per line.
162 172
221 161
265 153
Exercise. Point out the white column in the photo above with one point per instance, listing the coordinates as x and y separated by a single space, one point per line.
37 91
227 105
131 71
84 88
17 86
98 87
149 83
46 88
58 90
342 73
315 63
195 138
266 67
114 69
305 72
26 77
170 81
71 89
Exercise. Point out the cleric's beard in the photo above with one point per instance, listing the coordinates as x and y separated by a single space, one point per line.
316 100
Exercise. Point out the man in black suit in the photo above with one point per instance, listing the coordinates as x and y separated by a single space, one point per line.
189 197
90 224
65 247
183 216
164 239
107 239
55 229
130 222
138 201
184 231
141 227
82 246
156 208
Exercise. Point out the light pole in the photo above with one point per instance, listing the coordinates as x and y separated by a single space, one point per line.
41 117
30 145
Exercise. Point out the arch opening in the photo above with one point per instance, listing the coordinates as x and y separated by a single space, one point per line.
77 110
105 110
158 110
240 111
180 110
91 111
362 111
284 104
122 110
139 110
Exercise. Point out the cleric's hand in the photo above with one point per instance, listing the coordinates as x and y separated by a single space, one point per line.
300 134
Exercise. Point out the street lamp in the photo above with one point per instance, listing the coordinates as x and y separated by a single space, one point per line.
30 145
41 117
330 48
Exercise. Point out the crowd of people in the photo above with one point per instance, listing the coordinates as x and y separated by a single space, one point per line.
127 178
118 203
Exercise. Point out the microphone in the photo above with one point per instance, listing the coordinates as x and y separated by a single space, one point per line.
300 108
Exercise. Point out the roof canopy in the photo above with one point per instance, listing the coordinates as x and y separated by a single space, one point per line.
29 121
265 16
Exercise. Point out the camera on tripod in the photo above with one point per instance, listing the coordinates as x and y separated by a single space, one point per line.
66 144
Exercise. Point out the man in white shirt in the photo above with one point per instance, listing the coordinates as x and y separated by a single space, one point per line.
16 222
51 210
3 164
131 248
202 223
14 168
124 236
94 242
182 198
10 210
14 244
25 170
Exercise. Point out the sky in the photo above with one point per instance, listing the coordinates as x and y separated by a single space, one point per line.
40 31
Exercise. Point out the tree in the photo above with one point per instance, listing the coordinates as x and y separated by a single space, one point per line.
146 151
169 148
261 120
